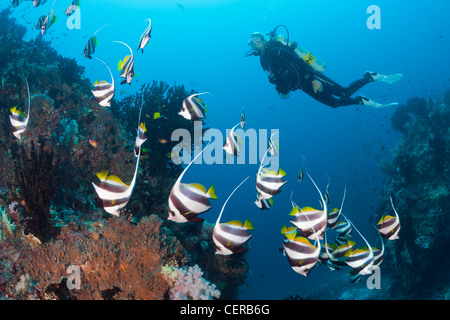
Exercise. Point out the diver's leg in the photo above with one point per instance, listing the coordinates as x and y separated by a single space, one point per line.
334 102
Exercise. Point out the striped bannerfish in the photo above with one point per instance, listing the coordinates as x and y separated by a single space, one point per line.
361 260
301 254
37 3
126 66
145 37
269 183
311 222
193 108
301 174
113 192
274 146
15 3
187 201
233 142
230 236
263 204
72 7
333 216
18 119
103 91
140 137
378 254
389 226
92 43
344 229
243 120
45 22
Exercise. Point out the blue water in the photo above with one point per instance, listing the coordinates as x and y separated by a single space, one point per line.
201 44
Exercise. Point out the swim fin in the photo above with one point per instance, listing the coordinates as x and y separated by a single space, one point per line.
390 79
370 103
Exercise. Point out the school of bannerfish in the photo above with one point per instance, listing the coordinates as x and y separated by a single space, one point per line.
305 243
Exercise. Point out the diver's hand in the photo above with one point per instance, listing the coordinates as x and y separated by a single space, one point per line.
283 95
317 86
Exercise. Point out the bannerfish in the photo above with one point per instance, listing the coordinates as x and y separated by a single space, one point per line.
187 201
233 142
113 192
230 236
92 43
193 107
18 119
263 204
104 91
72 7
145 37
126 66
269 183
333 216
389 226
243 119
45 22
301 254
37 3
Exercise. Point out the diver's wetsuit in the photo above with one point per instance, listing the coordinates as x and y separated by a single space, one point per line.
289 73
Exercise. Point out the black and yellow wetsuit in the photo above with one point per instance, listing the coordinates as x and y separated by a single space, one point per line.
288 72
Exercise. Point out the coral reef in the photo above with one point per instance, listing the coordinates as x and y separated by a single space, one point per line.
418 180
188 284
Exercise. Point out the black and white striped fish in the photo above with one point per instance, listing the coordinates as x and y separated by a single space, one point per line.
311 222
72 7
233 142
45 22
92 43
243 120
126 66
193 107
37 3
15 3
361 260
269 183
274 146
230 236
263 204
301 254
187 201
103 91
113 192
389 226
333 216
145 37
18 119
140 137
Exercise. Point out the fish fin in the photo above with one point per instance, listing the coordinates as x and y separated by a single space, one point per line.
212 192
156 115
96 82
248 224
116 179
284 230
102 175
13 109
235 223
120 65
295 210
351 243
384 218
142 126
281 172
124 81
198 186
95 41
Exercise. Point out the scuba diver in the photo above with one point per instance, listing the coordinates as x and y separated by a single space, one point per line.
290 67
